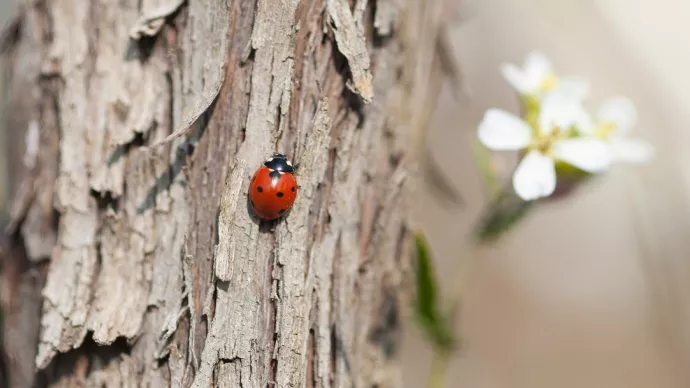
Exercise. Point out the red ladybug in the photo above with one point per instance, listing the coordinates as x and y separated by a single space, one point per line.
273 188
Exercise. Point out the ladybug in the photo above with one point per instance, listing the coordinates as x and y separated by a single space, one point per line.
273 188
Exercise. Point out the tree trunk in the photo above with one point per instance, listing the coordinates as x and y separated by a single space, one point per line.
133 127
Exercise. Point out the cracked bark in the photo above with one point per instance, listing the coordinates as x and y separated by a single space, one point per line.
130 257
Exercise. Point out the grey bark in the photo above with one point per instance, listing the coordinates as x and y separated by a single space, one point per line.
133 127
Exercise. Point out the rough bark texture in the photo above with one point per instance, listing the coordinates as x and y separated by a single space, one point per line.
131 257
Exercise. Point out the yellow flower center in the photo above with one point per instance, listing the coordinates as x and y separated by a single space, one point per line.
548 82
544 142
605 130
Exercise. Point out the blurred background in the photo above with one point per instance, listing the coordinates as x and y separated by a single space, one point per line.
592 291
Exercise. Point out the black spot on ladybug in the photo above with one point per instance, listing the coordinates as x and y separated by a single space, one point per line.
260 189
292 189
274 174
279 194
281 211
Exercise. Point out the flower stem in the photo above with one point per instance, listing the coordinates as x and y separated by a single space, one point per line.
504 212
439 365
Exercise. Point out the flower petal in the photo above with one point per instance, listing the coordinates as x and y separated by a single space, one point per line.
501 131
563 108
537 67
589 154
577 87
515 77
529 78
534 177
619 111
632 150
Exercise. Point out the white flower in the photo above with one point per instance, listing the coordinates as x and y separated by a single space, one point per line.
551 140
614 122
536 77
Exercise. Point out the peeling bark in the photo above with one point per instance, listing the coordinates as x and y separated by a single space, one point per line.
351 43
134 129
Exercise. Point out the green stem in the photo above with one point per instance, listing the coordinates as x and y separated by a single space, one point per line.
482 158
441 358
503 212
439 365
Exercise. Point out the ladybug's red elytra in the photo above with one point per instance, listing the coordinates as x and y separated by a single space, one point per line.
273 188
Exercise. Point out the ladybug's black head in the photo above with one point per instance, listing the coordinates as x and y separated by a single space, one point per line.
279 162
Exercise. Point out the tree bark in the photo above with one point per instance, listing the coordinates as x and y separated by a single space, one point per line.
133 127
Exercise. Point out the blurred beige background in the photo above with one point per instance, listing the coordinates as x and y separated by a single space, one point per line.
593 291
